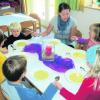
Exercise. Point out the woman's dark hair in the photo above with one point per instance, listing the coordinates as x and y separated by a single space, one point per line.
63 6
14 67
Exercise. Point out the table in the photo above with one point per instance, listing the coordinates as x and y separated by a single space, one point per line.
34 64
7 19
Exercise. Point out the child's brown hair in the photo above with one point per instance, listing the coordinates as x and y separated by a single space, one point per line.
14 67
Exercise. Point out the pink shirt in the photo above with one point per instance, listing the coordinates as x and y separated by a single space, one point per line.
91 43
86 92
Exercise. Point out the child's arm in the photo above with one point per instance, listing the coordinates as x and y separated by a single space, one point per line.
66 94
50 92
47 31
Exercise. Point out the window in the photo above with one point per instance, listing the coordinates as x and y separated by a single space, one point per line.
92 4
45 9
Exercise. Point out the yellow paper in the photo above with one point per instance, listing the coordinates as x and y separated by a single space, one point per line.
76 77
54 42
41 75
79 55
21 44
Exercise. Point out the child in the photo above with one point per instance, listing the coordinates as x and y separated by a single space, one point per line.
14 69
91 54
94 36
2 59
90 88
15 29
63 25
2 39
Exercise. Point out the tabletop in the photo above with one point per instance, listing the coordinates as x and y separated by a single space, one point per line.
47 75
19 17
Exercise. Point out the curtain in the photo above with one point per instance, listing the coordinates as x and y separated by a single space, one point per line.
74 4
27 6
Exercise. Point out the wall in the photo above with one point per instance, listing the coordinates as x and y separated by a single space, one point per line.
85 18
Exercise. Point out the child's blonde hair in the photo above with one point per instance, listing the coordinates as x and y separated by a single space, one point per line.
96 29
95 70
15 26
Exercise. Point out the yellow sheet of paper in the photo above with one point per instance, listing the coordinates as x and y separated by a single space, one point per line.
54 42
21 44
76 77
41 75
79 55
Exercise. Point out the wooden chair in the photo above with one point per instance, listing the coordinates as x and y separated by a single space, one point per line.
2 97
8 13
5 29
38 21
28 24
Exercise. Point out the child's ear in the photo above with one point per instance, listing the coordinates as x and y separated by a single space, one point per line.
23 75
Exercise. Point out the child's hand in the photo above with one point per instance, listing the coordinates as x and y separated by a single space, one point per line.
75 38
43 34
3 50
58 85
89 65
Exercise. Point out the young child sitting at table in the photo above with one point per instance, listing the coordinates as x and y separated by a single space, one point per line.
2 39
90 88
2 59
94 36
16 34
14 69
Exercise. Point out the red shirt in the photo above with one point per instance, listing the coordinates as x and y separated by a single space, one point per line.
86 92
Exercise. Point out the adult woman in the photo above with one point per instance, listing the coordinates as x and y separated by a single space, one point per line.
63 25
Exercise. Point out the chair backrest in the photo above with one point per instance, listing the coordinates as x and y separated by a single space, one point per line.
5 29
2 97
9 91
8 13
38 22
28 24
